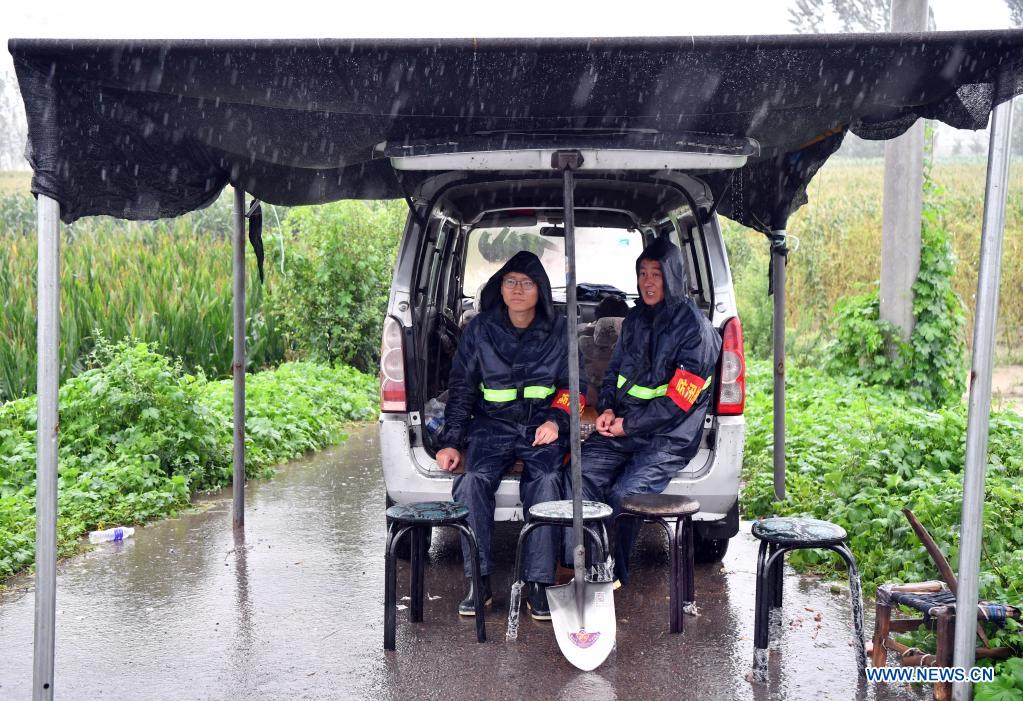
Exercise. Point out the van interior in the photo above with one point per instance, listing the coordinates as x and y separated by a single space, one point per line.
475 225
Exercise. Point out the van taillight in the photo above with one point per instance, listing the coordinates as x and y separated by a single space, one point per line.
392 368
732 376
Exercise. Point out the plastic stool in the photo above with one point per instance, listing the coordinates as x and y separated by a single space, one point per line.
559 514
418 518
777 537
661 508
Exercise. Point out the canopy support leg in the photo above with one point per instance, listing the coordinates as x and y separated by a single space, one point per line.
238 364
988 279
47 386
779 254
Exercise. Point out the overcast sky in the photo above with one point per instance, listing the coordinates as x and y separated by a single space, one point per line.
431 18
140 19
123 19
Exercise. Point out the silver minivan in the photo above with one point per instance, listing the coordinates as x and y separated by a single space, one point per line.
472 207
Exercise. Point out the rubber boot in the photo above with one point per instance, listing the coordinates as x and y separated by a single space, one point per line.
539 609
468 605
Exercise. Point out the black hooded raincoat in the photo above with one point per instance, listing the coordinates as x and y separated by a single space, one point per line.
514 376
658 382
504 383
659 376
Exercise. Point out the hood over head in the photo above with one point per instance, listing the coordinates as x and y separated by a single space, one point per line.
528 264
673 271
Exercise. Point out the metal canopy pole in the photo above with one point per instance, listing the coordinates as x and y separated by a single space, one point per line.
980 392
779 253
238 364
47 385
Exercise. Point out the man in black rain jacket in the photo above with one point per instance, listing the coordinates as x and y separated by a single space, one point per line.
654 395
507 399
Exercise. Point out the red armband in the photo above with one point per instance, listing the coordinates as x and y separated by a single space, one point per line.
684 389
562 400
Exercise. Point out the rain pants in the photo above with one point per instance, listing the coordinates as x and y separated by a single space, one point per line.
504 383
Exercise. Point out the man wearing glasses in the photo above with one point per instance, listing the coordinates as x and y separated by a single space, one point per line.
508 399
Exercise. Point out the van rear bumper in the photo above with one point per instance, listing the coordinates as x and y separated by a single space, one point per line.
411 475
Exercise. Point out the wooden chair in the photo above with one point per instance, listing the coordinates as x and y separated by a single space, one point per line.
936 601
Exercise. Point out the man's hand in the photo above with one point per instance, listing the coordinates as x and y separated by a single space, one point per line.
617 429
604 422
448 459
547 432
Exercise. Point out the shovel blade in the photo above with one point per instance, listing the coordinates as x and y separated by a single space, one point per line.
585 643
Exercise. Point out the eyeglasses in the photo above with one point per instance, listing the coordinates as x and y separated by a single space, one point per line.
511 283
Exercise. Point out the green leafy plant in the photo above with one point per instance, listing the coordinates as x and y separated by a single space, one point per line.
1007 685
167 282
930 366
139 436
859 453
332 298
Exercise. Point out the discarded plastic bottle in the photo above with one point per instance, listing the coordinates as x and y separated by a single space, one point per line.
111 534
434 411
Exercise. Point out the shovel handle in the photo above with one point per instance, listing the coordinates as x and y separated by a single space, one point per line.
567 162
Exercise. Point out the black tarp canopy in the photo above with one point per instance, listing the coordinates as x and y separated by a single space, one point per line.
148 129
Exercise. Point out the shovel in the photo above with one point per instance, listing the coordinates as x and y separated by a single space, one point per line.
582 612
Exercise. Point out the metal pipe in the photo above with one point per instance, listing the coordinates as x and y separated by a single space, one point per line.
579 553
778 254
47 443
980 391
238 364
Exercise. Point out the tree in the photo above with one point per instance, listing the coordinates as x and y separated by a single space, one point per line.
1016 19
807 17
1015 12
13 131
812 16
863 15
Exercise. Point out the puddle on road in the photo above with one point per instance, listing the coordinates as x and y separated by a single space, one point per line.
294 609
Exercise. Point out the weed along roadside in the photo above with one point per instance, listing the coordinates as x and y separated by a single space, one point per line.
140 437
862 454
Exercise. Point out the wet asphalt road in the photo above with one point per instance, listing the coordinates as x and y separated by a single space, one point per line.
294 610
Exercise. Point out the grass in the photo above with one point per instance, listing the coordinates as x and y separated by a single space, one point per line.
15 183
139 436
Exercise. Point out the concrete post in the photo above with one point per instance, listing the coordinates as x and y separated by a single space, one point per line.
903 198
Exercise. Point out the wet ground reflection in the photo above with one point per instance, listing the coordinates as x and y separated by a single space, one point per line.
293 609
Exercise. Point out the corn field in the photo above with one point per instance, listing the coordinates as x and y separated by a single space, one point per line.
837 251
167 282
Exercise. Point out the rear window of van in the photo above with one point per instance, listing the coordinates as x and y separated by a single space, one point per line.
603 256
